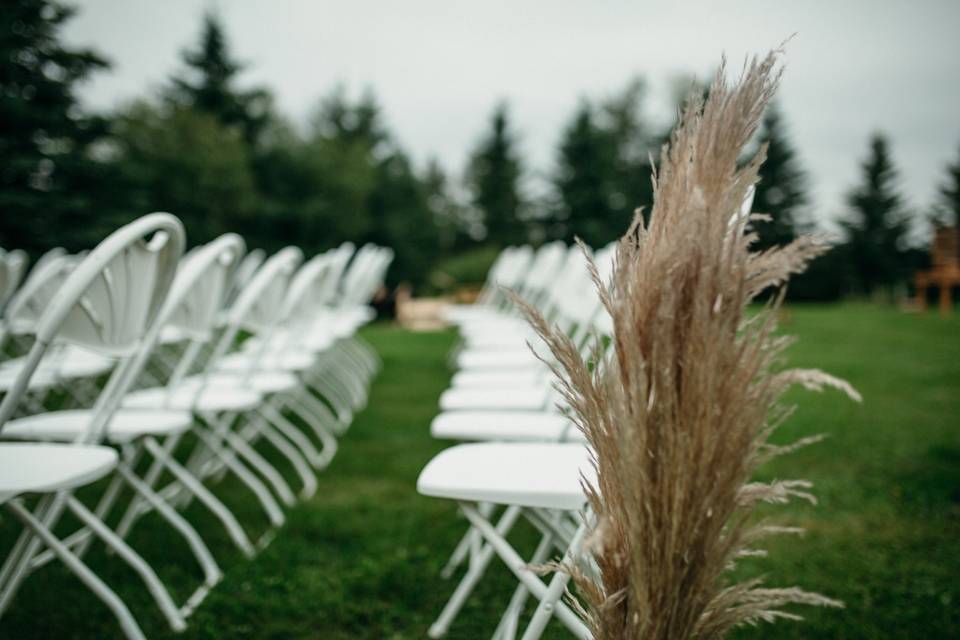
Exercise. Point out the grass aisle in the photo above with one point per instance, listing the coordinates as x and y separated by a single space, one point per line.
362 558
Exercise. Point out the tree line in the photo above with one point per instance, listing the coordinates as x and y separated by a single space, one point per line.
223 158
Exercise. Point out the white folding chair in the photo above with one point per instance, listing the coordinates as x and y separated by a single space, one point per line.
573 305
576 308
219 448
191 307
538 482
107 304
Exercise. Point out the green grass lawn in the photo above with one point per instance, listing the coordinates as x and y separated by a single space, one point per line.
362 558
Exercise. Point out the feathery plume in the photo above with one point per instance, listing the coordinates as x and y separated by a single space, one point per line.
679 414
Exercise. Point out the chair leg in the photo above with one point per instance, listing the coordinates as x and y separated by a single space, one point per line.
507 629
194 486
260 464
320 418
550 602
19 563
273 435
103 507
328 441
136 562
211 570
341 407
273 415
93 582
466 546
439 628
150 478
549 597
15 557
231 463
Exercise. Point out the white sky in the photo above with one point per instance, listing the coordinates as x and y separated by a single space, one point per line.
438 67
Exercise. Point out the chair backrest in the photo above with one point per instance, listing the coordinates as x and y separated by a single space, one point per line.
340 258
355 272
56 252
13 264
259 304
500 265
511 272
201 286
365 275
302 294
243 272
28 303
375 276
257 308
565 300
193 305
543 269
109 301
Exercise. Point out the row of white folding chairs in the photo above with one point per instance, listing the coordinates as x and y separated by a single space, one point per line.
526 458
180 399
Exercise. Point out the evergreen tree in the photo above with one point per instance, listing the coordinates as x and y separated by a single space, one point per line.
185 161
48 180
209 84
448 215
351 124
402 220
877 224
632 144
346 180
494 178
947 208
603 169
781 192
584 181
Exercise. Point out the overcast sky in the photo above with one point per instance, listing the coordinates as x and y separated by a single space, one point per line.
438 67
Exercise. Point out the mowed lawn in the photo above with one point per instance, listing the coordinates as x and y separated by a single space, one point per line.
362 558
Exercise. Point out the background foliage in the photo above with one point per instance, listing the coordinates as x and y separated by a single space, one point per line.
222 157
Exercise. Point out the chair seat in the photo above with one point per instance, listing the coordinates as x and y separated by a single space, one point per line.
499 398
504 426
456 312
70 363
265 382
289 361
526 474
499 341
42 378
516 358
125 425
77 362
475 315
499 377
30 468
212 399
312 340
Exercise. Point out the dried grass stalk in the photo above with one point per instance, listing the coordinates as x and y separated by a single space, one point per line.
679 416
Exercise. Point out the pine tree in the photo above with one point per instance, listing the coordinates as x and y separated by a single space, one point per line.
185 161
402 220
209 84
494 178
877 224
632 145
47 178
781 192
584 181
947 208
446 211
